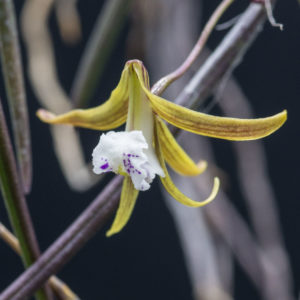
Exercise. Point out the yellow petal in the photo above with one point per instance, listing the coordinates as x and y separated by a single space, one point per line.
219 127
109 115
173 190
174 154
128 198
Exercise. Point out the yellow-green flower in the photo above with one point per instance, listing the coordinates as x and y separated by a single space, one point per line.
140 152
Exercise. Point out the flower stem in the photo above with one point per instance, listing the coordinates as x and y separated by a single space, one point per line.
164 82
15 202
14 85
68 244
226 56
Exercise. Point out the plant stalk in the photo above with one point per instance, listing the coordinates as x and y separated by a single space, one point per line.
68 244
62 291
14 86
16 204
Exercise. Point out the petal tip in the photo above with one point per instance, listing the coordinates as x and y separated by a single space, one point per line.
45 115
285 115
213 193
201 165
109 233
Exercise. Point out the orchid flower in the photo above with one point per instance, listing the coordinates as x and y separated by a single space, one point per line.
139 153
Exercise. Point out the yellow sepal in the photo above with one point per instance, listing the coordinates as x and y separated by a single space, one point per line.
128 198
174 154
218 127
111 114
170 186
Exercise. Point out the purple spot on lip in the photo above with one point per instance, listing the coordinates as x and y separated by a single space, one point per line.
105 166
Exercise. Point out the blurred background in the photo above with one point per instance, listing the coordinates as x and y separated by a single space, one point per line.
153 256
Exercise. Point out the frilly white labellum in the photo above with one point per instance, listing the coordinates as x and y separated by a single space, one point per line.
127 152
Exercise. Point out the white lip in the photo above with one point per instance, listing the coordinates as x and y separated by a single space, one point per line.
127 152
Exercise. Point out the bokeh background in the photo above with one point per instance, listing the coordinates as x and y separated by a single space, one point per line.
145 261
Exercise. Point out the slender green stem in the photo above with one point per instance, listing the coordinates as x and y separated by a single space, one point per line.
15 202
164 82
108 27
14 85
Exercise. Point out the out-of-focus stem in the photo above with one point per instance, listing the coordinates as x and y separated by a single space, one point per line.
178 32
229 52
14 85
225 220
15 202
164 82
260 198
60 288
68 244
101 42
50 93
197 243
68 20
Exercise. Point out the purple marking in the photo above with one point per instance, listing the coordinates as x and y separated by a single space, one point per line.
105 166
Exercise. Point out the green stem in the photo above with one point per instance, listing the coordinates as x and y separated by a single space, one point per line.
105 33
15 202
14 85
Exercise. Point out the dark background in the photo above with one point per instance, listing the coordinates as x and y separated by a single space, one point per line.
145 260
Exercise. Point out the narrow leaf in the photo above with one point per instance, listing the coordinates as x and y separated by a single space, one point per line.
14 85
